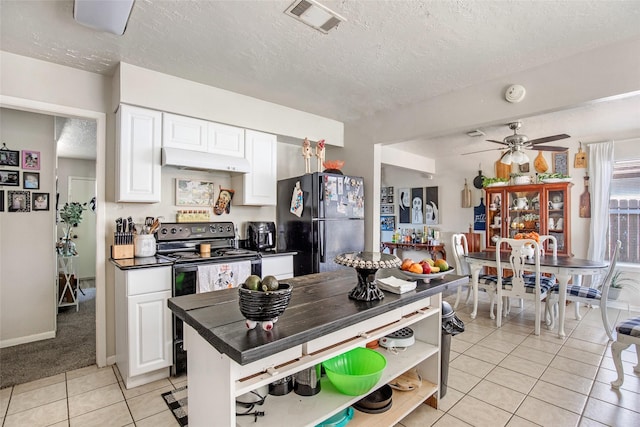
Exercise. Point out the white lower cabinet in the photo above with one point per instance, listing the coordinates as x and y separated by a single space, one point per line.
280 266
215 381
143 324
259 186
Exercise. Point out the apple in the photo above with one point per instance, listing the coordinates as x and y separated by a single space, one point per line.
426 267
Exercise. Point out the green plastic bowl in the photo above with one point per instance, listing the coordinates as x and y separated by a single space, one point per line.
355 372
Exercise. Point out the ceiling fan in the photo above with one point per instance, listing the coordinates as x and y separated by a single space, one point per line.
517 143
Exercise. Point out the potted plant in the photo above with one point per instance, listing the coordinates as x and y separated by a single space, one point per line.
71 215
617 282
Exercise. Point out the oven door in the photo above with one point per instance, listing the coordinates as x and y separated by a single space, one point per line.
185 282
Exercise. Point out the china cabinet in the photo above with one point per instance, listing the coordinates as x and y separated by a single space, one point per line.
544 208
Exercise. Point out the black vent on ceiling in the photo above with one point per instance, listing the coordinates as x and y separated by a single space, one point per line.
332 22
300 8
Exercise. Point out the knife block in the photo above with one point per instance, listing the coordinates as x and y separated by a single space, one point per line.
122 251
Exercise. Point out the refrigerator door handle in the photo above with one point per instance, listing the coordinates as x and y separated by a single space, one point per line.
322 249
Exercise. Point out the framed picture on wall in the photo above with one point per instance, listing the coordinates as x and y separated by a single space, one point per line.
31 180
387 223
11 178
417 198
386 209
431 205
194 192
404 206
19 201
40 201
561 162
31 160
9 158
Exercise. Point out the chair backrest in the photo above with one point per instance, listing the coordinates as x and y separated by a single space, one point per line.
606 282
460 250
519 251
553 244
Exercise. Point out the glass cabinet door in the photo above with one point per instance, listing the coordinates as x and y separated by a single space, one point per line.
495 217
556 220
524 210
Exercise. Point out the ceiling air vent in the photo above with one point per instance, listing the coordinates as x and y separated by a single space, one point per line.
314 15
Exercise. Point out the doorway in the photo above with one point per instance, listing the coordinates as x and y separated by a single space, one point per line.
23 104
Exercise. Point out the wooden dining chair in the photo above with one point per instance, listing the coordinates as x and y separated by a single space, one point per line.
486 282
588 295
628 332
527 282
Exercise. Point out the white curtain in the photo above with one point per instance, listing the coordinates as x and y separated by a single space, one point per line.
600 174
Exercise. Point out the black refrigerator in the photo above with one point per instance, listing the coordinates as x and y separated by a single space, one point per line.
330 221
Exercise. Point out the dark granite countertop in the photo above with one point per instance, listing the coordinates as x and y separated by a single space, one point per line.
146 262
319 305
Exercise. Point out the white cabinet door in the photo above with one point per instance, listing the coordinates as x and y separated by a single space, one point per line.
138 141
184 132
149 332
279 266
225 139
259 186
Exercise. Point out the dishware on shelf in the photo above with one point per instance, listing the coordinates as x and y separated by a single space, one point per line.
355 372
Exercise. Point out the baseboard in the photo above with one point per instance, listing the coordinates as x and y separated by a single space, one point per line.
111 360
27 339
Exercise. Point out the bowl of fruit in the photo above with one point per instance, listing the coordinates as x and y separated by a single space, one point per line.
425 270
263 300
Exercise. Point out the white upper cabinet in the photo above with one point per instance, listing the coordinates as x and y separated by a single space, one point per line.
259 186
183 132
226 140
138 142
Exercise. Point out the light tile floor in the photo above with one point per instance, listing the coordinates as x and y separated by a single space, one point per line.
497 377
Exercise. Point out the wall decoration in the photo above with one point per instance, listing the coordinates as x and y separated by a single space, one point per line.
1 200
31 160
40 201
404 204
386 195
223 204
580 160
19 201
480 216
9 157
31 180
194 193
417 197
11 178
387 223
386 209
524 167
560 163
431 215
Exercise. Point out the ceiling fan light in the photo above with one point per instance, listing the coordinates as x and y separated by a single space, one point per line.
506 159
516 157
524 159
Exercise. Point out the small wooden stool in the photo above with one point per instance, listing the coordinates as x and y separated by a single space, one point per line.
628 333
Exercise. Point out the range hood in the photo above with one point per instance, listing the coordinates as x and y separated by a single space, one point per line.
197 160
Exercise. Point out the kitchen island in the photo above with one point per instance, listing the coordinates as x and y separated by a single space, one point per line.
226 360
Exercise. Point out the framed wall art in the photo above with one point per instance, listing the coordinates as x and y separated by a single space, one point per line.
31 180
561 162
404 206
40 201
19 201
417 197
194 192
11 178
386 209
387 223
431 204
31 160
9 157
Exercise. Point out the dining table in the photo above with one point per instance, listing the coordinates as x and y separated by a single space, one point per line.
563 267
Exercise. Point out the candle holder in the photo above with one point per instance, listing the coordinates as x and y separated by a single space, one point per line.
366 265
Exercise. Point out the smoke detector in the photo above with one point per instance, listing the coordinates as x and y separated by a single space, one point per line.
515 93
314 15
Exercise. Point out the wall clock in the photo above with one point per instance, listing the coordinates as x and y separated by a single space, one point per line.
561 163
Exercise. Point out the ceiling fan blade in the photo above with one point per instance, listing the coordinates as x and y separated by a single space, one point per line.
548 148
482 151
548 139
498 142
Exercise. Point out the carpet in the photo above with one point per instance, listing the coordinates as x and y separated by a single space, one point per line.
73 347
176 400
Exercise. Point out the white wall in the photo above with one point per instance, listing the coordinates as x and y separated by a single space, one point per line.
27 238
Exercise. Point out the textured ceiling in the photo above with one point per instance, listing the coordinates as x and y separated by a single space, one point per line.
388 54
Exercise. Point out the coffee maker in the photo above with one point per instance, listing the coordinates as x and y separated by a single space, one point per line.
261 236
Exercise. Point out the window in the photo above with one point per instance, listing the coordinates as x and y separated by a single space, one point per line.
624 209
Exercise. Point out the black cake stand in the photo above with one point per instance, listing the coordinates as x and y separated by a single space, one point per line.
366 265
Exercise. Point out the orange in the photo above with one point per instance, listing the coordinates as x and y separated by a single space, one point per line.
415 268
406 263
